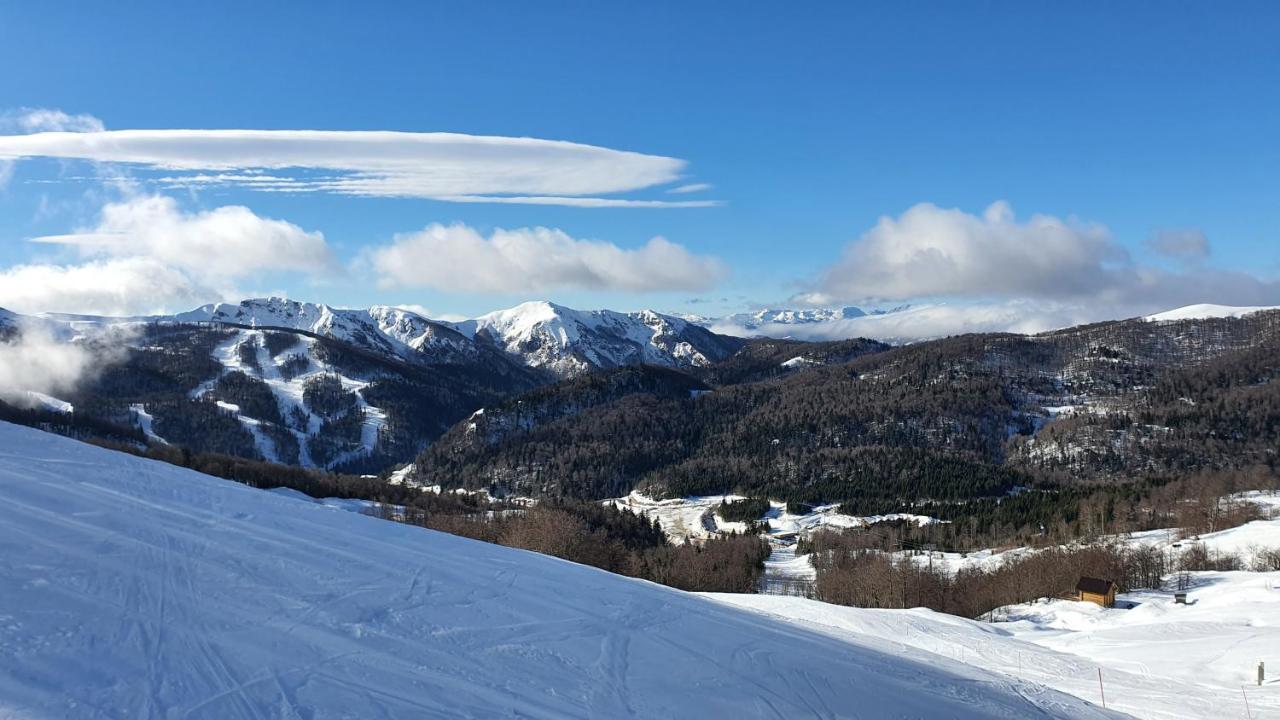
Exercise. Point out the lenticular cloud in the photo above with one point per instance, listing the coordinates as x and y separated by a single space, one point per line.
443 166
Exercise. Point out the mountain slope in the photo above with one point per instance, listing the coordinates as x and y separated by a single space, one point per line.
568 342
968 417
1204 311
131 588
380 328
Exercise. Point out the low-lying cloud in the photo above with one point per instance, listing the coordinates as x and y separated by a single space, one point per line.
929 321
536 260
34 361
124 286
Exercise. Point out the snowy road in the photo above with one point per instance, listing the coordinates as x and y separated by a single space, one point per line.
134 589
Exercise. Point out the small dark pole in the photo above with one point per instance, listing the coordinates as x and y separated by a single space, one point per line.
1102 692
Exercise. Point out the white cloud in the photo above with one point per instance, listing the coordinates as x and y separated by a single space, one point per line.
536 260
591 202
35 362
1180 243
30 120
146 255
34 120
690 188
123 286
223 243
447 166
933 252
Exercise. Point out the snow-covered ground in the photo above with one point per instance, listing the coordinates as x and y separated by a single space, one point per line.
695 518
1158 660
146 423
1243 541
134 589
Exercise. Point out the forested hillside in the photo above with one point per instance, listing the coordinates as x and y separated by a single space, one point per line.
959 418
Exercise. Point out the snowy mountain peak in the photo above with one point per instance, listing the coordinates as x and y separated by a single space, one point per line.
567 341
394 331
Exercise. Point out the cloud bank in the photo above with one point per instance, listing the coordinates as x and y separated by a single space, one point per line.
226 242
928 321
146 255
441 166
121 287
931 252
536 260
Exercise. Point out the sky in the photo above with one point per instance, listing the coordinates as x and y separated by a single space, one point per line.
994 165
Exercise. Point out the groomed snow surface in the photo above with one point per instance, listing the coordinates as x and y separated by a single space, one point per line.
134 589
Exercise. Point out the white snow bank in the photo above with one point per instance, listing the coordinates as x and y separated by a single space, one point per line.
131 588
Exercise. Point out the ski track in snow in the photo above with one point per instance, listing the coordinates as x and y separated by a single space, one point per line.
289 396
131 588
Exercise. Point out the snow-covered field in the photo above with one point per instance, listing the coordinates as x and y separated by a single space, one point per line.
695 518
1244 541
1158 660
134 589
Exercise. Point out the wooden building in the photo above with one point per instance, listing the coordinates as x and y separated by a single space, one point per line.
1094 590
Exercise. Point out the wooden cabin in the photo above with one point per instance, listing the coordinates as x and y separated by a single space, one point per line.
1095 590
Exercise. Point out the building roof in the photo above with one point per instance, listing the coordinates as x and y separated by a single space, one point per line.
1094 585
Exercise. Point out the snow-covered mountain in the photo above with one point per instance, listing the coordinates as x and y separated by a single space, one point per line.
381 328
568 342
133 588
358 389
1204 311
538 334
804 323
761 318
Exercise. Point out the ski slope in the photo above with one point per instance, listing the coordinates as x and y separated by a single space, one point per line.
1157 659
134 589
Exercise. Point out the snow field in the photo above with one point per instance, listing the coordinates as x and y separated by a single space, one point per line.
132 588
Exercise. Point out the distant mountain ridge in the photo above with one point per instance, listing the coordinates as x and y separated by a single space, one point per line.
568 342
767 317
540 334
353 389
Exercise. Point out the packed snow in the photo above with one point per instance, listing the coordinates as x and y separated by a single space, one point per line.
1157 659
132 588
146 422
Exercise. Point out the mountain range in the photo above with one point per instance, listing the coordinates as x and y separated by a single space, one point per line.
513 399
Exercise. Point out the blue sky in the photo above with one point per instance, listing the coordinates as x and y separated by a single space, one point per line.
809 124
